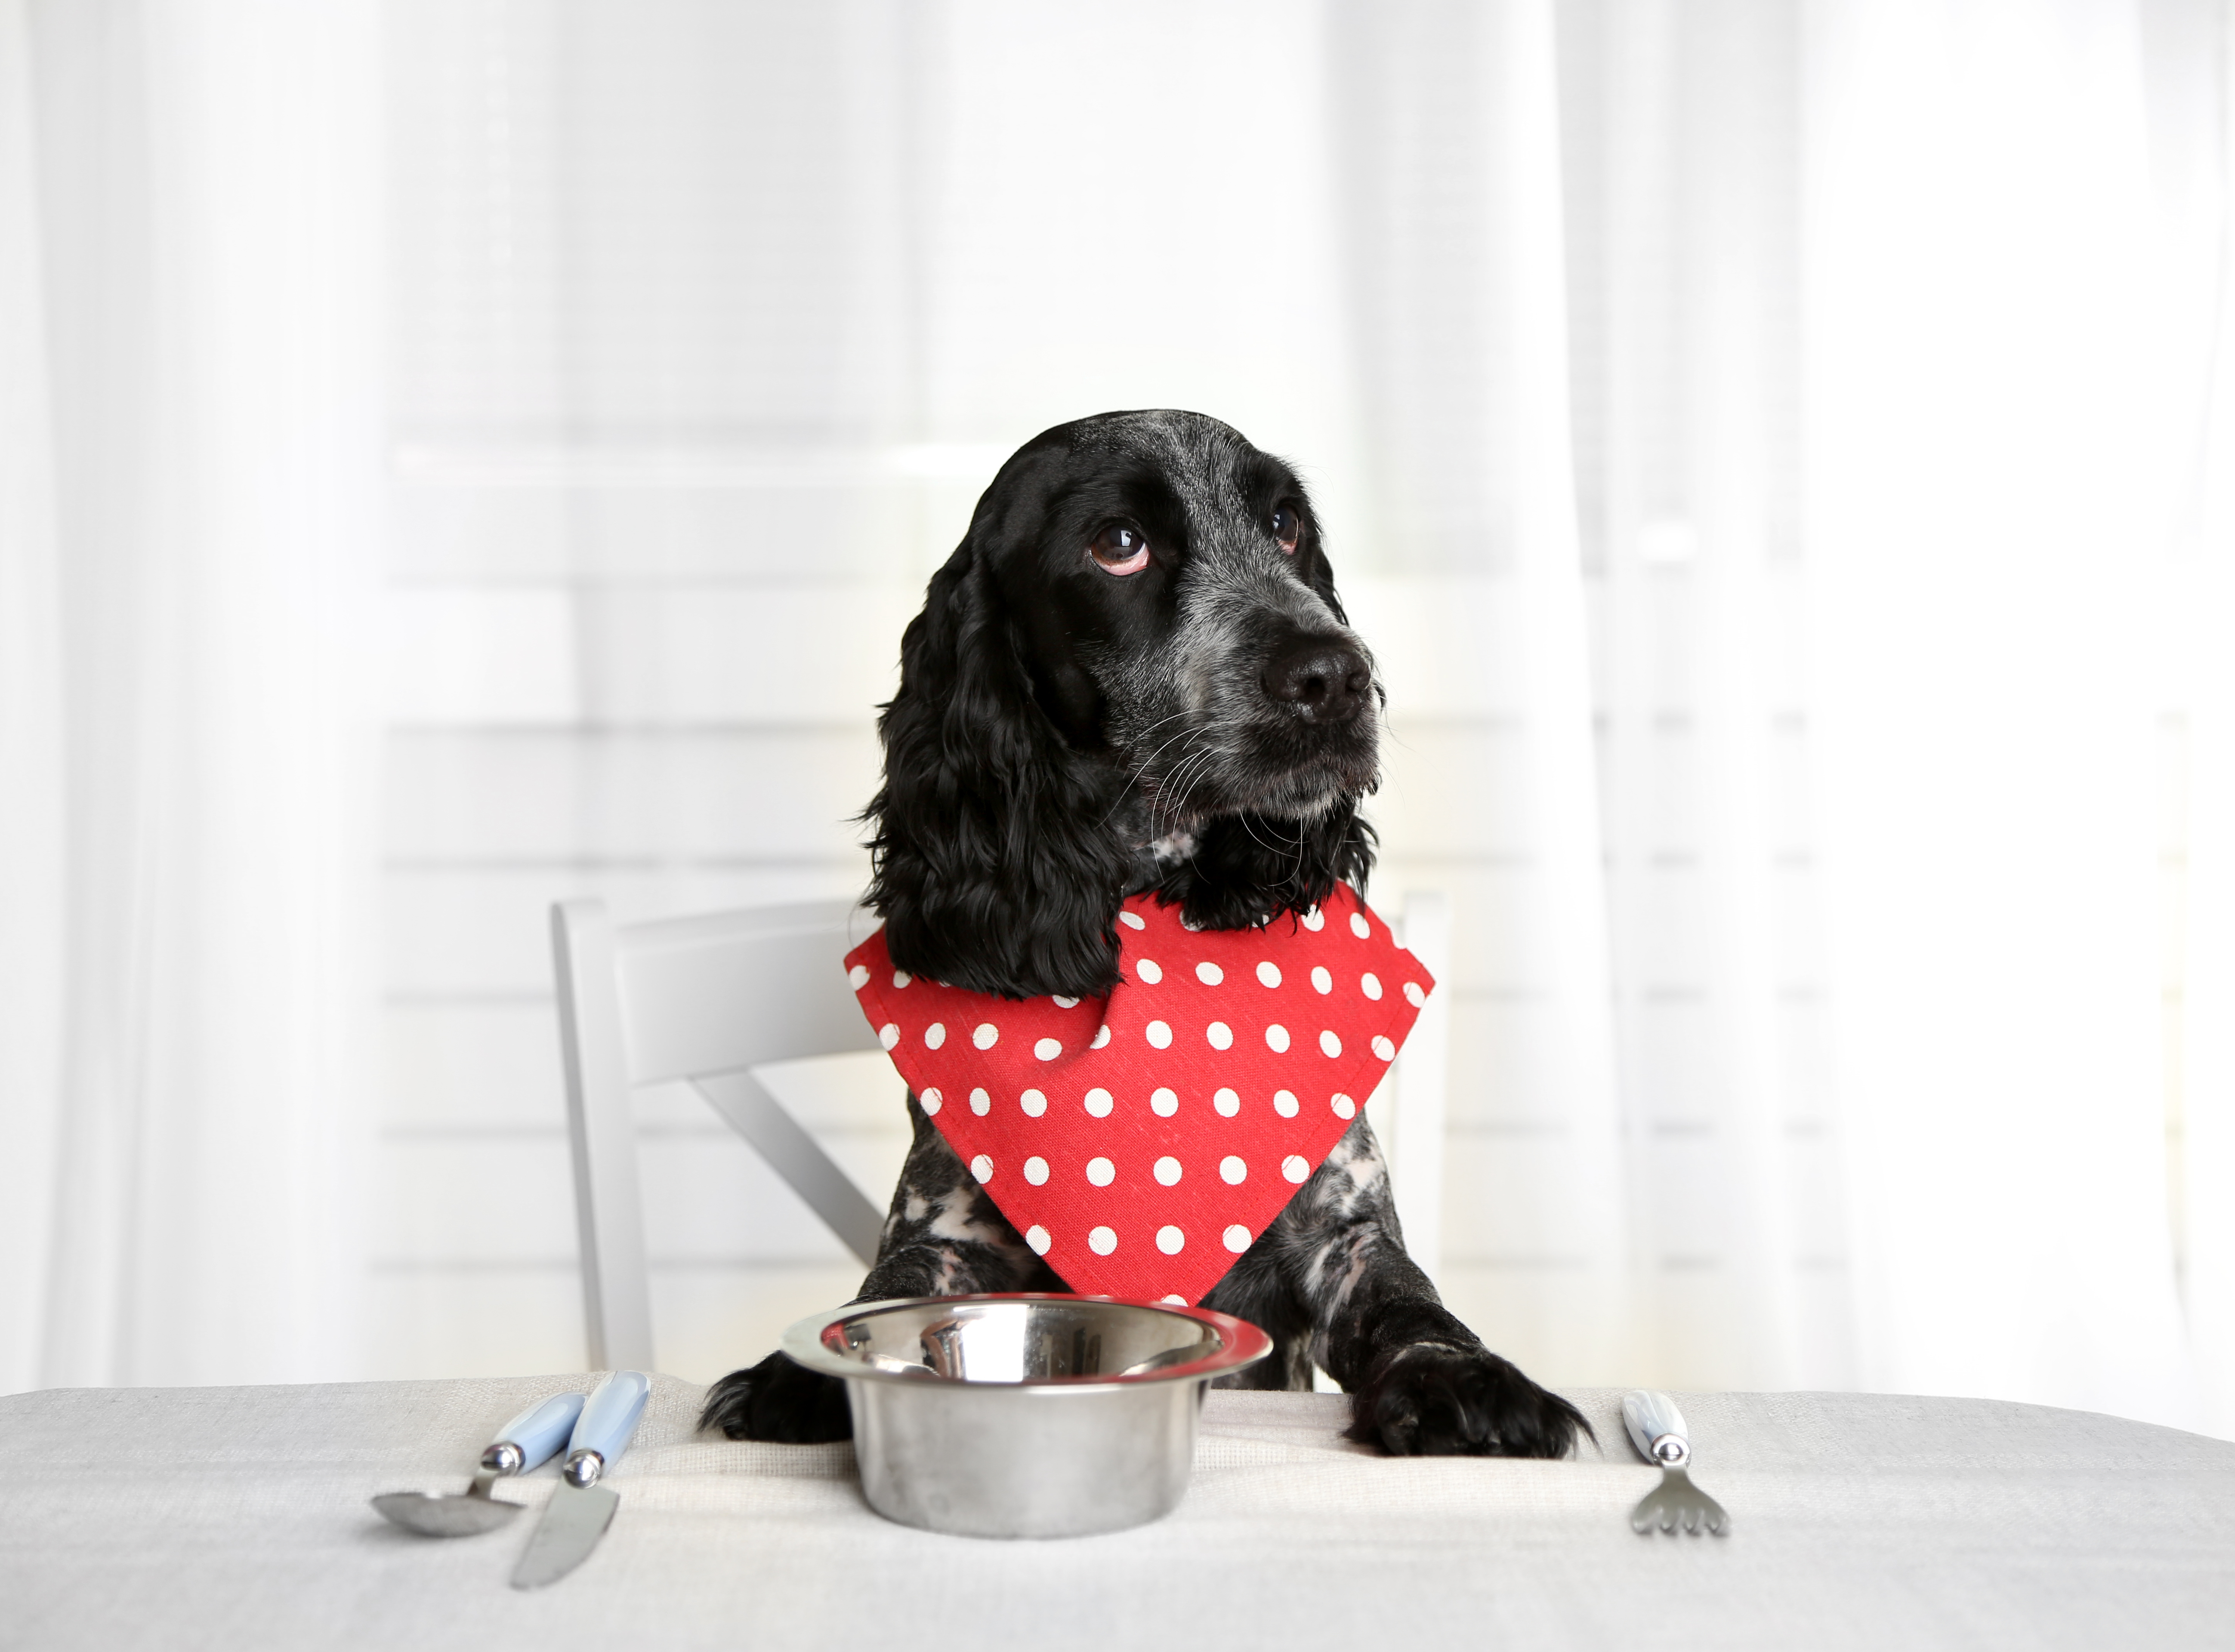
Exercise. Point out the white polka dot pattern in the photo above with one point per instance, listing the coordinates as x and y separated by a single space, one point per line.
1216 1078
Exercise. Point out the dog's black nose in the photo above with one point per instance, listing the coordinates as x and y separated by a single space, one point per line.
1324 677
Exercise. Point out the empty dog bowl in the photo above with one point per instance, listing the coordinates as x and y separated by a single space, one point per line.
1027 1415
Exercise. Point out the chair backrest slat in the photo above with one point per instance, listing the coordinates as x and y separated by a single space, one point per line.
738 989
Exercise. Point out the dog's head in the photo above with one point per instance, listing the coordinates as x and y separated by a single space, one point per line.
1136 643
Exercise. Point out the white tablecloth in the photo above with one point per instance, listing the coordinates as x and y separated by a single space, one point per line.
236 1518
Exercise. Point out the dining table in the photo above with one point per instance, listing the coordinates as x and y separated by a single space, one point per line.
238 1517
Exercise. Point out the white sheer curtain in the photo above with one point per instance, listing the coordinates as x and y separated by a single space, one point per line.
191 288
2197 178
1886 349
1997 428
1781 452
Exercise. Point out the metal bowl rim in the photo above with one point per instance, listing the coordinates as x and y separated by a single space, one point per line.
1244 1344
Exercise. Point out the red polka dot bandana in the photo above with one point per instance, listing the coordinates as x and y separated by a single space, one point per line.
1141 1143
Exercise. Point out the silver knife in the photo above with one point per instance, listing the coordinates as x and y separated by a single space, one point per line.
581 1510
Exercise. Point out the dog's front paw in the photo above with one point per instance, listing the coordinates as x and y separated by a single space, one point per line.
1431 1400
779 1400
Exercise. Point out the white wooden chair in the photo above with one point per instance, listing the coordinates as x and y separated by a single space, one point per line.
708 1000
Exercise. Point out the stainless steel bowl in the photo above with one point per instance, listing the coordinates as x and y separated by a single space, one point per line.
1028 1415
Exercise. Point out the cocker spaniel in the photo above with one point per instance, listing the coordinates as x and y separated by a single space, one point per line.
1134 674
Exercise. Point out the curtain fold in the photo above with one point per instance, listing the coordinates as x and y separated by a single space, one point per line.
32 923
2193 70
1563 921
205 213
1986 534
1682 176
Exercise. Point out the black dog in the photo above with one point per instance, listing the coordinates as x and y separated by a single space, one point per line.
1134 674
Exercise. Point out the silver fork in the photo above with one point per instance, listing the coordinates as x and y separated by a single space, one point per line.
1657 1428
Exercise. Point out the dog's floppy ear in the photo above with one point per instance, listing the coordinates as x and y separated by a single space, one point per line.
1249 868
992 866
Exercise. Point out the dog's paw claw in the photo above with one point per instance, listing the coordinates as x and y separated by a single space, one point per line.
1433 1400
779 1400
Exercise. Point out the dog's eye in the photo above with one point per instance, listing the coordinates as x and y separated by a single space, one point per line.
1119 550
1288 527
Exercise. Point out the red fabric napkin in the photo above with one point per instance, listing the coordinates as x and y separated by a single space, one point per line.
1141 1143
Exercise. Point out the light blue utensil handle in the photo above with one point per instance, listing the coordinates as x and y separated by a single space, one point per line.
542 1429
1657 1428
615 1406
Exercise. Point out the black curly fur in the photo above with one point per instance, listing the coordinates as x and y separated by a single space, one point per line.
991 866
1061 738
1246 870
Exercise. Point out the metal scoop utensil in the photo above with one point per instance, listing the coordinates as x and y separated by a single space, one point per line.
1657 1428
528 1441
